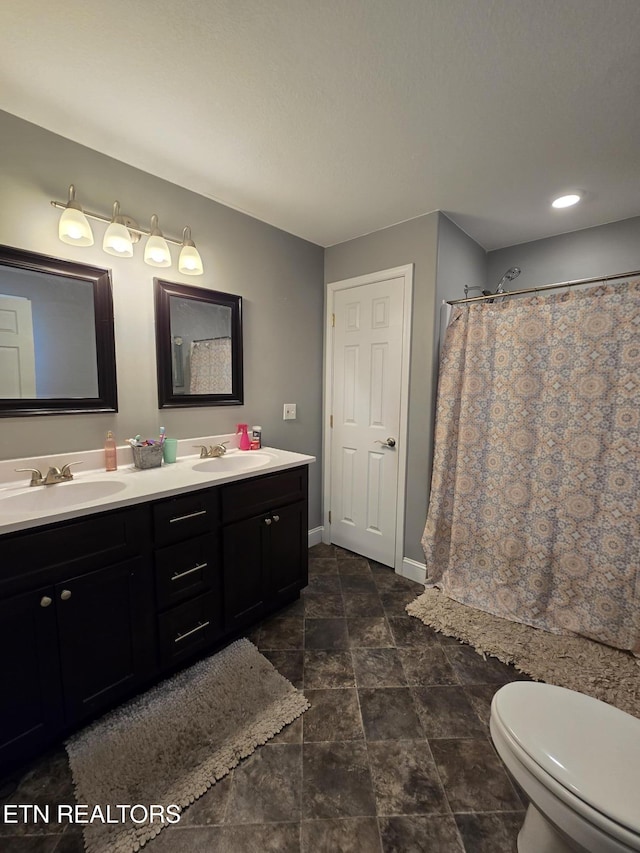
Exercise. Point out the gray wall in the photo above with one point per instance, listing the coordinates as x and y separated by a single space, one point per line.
603 250
413 242
278 275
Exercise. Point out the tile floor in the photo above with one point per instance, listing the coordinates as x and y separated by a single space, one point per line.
392 757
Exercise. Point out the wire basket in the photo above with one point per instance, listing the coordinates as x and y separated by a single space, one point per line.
148 456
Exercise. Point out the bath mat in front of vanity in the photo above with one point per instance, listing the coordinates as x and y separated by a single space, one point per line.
577 663
171 744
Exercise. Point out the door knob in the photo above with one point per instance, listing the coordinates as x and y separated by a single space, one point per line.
65 594
45 601
390 442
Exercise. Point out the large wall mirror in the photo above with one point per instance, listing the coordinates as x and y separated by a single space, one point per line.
199 346
57 349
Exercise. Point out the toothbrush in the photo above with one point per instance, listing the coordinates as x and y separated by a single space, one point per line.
162 431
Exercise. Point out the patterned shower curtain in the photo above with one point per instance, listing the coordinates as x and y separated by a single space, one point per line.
210 366
534 511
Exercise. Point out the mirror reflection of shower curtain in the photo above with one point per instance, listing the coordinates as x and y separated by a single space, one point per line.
210 363
534 512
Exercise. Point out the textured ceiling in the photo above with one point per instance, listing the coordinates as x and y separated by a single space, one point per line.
335 118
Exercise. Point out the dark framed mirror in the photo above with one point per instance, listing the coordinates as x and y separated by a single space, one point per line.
57 347
199 346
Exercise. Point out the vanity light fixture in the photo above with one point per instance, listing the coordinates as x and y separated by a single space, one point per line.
121 234
74 227
190 262
566 200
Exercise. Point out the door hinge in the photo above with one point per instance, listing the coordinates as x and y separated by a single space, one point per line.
331 421
333 319
329 516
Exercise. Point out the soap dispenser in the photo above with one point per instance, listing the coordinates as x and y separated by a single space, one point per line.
245 441
110 453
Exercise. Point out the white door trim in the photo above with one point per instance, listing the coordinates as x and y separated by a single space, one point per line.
405 272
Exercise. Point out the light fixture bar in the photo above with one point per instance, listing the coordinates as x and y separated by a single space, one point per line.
62 205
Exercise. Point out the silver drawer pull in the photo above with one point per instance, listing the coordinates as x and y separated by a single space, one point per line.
198 627
185 517
178 575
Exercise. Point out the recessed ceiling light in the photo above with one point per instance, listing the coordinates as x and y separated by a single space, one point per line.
566 200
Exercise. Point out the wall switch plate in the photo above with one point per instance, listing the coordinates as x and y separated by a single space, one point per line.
289 413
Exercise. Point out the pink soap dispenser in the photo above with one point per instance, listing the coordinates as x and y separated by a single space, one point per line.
245 441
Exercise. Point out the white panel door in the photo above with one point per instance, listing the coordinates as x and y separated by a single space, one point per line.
17 355
367 369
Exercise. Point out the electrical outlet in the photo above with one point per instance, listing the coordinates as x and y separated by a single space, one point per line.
289 413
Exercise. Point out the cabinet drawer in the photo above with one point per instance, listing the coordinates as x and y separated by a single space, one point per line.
186 516
189 628
260 494
186 570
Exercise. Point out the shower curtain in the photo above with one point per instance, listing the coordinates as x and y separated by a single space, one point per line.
534 507
210 366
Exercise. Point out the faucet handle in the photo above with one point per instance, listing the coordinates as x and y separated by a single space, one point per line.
66 473
36 475
203 450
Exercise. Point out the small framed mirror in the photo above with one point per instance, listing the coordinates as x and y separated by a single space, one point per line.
199 346
57 348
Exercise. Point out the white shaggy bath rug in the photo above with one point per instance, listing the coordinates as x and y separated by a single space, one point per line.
169 745
575 662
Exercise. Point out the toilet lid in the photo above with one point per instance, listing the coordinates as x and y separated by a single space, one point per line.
589 747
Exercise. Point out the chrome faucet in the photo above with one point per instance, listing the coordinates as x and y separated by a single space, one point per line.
54 475
213 452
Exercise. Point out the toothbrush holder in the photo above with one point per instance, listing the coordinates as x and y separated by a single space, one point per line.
148 456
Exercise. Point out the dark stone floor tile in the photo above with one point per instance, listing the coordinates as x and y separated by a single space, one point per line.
480 696
370 632
389 581
255 838
288 663
71 841
323 605
473 776
334 715
294 608
405 778
45 782
349 835
490 833
357 566
336 781
345 554
266 786
278 633
472 668
322 584
323 566
362 604
446 712
30 843
417 834
357 584
395 602
322 549
210 808
427 666
328 669
408 631
326 634
389 713
378 668
292 733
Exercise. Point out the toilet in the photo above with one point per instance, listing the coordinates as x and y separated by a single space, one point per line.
578 761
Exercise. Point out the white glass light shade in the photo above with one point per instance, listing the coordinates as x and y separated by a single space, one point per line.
117 241
74 228
156 252
190 262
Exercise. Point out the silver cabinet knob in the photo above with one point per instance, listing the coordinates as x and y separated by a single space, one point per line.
65 594
45 601
267 521
276 518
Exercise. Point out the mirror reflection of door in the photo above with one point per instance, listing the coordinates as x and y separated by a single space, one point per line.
17 350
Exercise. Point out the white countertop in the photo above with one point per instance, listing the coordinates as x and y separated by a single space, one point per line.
22 506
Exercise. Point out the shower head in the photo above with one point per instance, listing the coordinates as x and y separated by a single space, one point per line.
511 273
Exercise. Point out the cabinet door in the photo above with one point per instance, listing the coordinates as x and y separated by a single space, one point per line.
104 636
245 549
31 703
288 566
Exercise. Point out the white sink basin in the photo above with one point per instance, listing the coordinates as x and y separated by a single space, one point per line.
59 496
245 460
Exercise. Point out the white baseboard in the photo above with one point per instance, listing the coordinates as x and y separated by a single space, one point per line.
315 536
414 570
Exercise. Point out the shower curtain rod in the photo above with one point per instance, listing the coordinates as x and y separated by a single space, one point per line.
572 283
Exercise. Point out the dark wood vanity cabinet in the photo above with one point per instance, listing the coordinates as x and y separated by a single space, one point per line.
81 638
96 609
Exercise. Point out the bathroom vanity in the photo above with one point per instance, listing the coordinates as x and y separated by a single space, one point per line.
102 603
